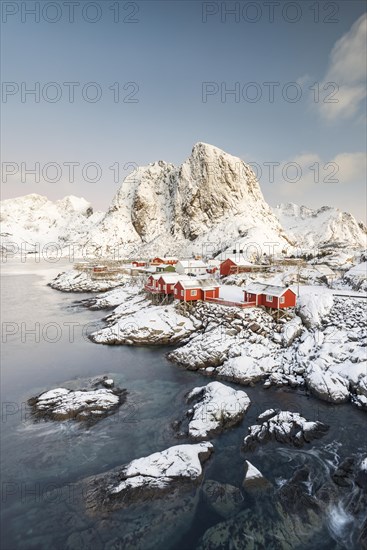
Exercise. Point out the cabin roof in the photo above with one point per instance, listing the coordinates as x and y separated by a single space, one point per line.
271 290
192 263
204 284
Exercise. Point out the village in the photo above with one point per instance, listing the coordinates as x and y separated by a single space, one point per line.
166 279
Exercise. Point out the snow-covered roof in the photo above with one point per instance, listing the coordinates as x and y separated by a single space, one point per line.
156 276
271 290
204 284
173 277
324 269
192 263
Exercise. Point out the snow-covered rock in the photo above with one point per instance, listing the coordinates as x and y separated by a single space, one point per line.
327 385
312 307
284 427
137 322
80 281
149 477
83 405
216 408
253 478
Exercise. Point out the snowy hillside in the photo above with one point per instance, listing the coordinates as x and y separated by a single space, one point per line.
33 220
208 204
323 228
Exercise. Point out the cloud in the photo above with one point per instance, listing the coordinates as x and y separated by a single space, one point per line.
352 167
313 171
348 71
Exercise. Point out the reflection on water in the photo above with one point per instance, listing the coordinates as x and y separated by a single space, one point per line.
40 458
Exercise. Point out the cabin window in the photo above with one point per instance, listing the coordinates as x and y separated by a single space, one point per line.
182 292
164 288
282 300
175 290
268 298
194 293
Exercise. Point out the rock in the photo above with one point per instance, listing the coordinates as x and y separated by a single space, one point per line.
284 427
147 478
223 498
217 407
362 539
254 479
327 385
313 308
88 405
344 474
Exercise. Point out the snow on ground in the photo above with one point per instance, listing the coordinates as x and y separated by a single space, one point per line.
218 407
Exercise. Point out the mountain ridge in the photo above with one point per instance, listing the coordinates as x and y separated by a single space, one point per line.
209 204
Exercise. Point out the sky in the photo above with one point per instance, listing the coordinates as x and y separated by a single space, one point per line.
117 84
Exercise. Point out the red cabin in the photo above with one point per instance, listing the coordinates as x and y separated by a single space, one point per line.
152 284
196 289
272 296
138 263
231 266
167 281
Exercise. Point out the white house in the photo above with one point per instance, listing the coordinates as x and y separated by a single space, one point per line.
191 267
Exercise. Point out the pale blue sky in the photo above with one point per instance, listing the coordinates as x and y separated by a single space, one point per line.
168 53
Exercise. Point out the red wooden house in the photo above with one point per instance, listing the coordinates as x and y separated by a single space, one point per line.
276 297
152 284
138 263
167 281
233 265
189 290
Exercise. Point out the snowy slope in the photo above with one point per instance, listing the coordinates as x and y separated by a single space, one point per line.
208 204
34 221
325 227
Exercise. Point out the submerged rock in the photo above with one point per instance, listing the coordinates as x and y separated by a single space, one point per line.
87 405
284 427
223 498
274 525
217 407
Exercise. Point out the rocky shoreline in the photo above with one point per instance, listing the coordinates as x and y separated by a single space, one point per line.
322 348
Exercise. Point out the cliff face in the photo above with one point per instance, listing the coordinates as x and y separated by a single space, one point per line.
212 199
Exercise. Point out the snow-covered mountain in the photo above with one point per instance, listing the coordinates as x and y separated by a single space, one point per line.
324 228
209 203
34 221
